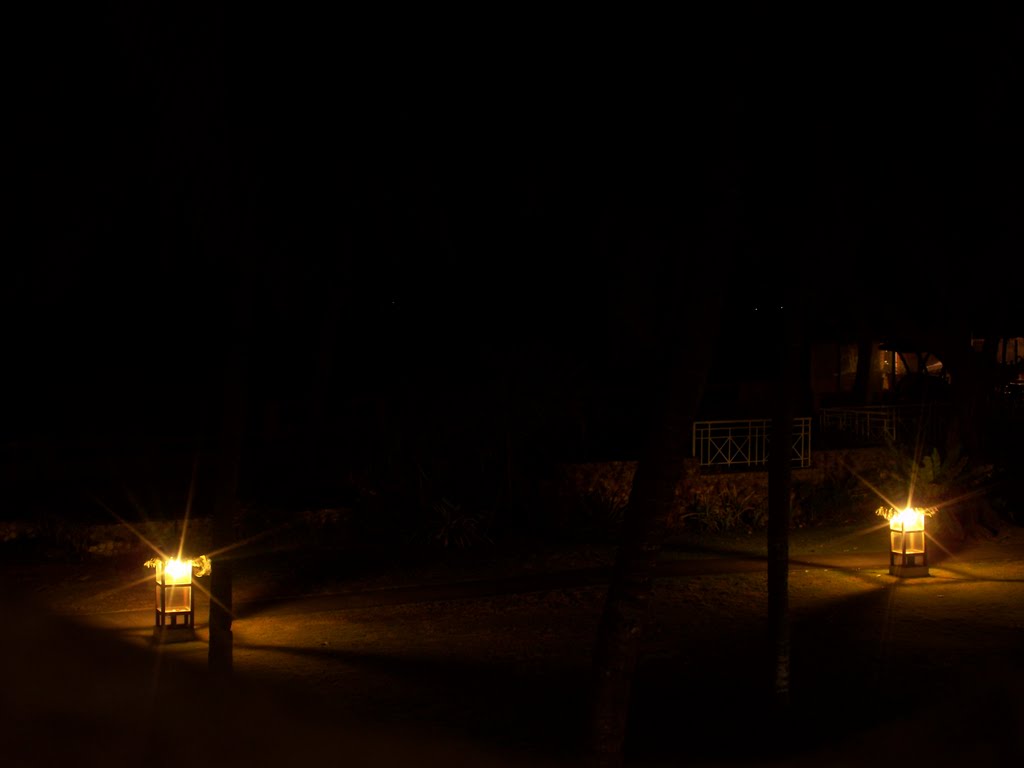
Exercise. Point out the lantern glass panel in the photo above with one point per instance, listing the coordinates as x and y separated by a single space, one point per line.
906 532
174 586
177 599
914 541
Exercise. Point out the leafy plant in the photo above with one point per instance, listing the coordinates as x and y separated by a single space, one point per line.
951 484
726 506
455 528
599 513
837 496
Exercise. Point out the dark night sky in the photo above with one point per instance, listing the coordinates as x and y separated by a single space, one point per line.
458 194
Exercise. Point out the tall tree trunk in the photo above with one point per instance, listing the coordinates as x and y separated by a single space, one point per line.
862 379
696 242
659 473
326 348
780 486
220 657
198 124
678 364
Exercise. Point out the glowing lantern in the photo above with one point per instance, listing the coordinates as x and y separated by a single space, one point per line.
908 552
175 610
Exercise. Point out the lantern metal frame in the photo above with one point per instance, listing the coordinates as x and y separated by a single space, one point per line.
175 614
908 545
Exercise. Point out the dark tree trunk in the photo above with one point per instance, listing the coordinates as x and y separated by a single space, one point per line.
968 391
779 507
659 473
674 357
326 348
862 379
229 453
204 163
674 361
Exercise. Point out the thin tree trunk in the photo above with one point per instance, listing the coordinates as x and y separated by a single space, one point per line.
221 650
681 352
227 237
862 379
780 486
659 473
691 292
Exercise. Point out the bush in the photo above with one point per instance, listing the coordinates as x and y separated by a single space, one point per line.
454 528
839 497
725 506
597 515
961 492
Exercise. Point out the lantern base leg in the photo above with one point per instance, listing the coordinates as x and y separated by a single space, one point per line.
173 634
908 571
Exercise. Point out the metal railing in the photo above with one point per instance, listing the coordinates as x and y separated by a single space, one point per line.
745 442
870 421
882 423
